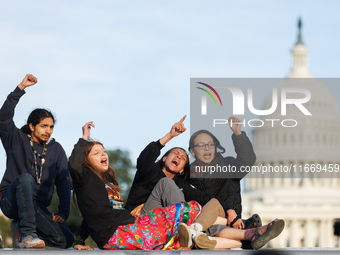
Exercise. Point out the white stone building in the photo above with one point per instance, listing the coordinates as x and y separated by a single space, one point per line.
308 205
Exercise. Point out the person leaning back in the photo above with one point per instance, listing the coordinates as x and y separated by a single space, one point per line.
35 164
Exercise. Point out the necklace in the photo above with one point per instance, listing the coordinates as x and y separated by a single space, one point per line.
42 157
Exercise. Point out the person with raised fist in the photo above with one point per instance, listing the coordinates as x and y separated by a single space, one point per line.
36 163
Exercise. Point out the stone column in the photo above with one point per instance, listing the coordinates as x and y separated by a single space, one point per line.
294 238
335 179
286 179
267 181
296 179
308 233
330 234
323 234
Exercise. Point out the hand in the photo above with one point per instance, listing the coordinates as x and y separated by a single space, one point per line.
57 218
28 81
87 130
238 224
231 216
82 247
235 125
178 128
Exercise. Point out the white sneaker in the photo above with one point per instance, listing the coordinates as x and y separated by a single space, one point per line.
19 241
31 241
185 238
203 241
189 235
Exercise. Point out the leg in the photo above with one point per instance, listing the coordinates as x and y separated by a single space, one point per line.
208 217
17 203
220 221
210 213
258 236
165 193
224 243
232 233
143 235
54 234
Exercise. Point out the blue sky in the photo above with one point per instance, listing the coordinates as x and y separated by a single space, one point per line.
126 65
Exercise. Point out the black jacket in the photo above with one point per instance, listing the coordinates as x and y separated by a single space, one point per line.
20 159
149 173
228 189
100 220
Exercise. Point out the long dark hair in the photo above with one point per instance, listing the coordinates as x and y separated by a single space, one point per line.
215 140
104 176
186 166
35 117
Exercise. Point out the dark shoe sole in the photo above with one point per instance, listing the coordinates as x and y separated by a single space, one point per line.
184 235
203 242
256 220
273 232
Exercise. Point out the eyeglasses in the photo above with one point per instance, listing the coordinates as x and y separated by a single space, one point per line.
202 146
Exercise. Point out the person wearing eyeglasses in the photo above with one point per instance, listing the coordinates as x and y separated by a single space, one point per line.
207 151
162 183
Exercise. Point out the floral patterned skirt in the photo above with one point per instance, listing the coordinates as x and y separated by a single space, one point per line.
156 230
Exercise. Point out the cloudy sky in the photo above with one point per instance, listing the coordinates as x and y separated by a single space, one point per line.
126 65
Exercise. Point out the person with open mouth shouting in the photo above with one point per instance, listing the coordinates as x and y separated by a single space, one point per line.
207 151
162 227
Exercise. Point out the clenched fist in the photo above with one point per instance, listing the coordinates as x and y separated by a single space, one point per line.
28 81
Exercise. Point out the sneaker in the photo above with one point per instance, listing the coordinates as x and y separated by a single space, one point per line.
16 234
31 241
253 222
202 241
190 235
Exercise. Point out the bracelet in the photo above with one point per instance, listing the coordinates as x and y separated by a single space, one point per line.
233 222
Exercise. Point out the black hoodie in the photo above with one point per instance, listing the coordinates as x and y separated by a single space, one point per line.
227 189
149 173
100 220
20 159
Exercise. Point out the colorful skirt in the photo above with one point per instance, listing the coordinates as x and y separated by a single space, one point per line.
156 230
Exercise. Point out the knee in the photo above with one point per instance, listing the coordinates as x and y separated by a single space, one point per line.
67 237
164 185
63 242
166 181
214 202
26 179
69 240
62 239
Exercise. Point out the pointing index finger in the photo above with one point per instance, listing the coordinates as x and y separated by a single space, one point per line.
181 121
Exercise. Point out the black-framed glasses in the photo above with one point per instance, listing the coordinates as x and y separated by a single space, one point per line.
202 146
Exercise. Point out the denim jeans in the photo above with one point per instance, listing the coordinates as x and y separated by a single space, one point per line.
17 203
